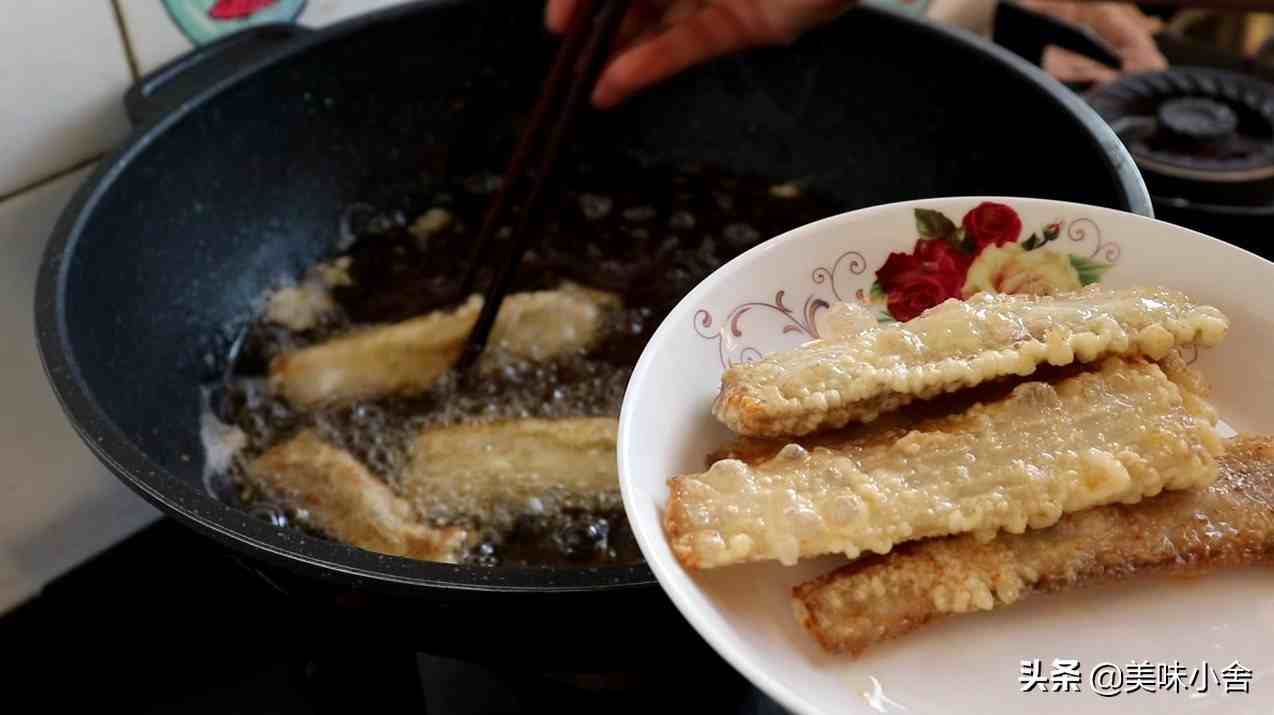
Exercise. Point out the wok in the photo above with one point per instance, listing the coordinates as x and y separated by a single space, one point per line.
246 154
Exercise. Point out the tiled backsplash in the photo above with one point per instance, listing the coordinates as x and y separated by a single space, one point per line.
58 506
67 65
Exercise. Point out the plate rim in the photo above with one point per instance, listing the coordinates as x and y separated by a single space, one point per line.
675 584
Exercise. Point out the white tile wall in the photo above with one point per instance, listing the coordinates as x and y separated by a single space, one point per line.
152 34
58 505
63 68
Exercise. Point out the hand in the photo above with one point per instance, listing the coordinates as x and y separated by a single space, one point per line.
1127 29
660 38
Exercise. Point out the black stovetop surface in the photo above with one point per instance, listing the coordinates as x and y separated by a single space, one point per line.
168 621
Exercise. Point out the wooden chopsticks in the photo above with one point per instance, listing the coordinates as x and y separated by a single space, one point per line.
575 70
585 47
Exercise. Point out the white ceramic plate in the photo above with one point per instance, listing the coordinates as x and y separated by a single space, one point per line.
769 299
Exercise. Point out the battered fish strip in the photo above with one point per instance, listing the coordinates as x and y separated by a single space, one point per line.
331 491
832 382
408 357
1230 523
503 469
1117 434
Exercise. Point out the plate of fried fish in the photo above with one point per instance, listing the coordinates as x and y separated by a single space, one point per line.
969 455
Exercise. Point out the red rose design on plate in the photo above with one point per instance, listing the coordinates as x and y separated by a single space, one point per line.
991 224
934 271
984 253
236 9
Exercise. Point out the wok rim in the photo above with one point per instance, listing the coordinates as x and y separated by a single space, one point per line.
329 559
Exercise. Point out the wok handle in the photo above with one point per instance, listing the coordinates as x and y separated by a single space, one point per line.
1027 33
167 87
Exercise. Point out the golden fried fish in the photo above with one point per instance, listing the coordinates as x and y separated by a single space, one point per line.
1230 523
1115 434
409 357
334 493
513 467
854 378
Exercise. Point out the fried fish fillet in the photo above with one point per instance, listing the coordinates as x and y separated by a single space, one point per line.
1115 434
408 357
335 494
503 469
832 382
1230 523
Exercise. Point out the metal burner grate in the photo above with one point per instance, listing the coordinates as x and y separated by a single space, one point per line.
1197 133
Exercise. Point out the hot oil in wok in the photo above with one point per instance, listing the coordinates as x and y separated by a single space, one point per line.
646 235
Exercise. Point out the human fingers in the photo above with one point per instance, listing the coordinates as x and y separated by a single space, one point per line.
711 32
1128 31
697 32
1067 66
643 18
558 13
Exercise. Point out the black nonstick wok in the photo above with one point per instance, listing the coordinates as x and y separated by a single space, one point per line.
247 153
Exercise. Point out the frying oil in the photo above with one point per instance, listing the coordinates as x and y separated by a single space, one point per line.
647 235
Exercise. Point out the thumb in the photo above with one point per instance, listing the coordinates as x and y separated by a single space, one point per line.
558 14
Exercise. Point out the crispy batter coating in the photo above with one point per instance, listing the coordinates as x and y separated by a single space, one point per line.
514 466
408 357
331 491
1116 434
1230 523
855 378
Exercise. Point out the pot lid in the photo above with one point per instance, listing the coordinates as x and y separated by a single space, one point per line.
1194 125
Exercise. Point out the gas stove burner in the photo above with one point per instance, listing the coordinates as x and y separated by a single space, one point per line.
1197 122
1198 134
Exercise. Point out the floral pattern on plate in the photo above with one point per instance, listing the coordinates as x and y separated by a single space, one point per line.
985 251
